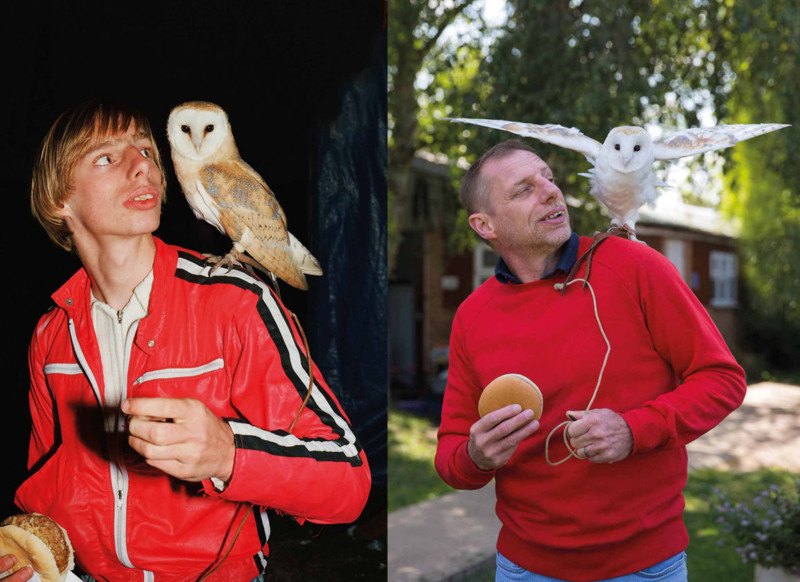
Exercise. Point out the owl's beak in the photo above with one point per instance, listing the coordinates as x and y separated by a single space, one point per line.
197 140
626 159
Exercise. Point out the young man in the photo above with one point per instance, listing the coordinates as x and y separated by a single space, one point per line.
614 506
167 403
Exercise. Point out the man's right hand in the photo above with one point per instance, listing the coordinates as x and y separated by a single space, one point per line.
495 437
7 562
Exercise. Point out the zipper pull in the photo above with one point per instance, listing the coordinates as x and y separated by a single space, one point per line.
119 316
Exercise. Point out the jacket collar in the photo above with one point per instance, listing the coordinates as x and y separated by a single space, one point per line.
74 297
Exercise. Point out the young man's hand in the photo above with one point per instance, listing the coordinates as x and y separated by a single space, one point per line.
495 437
180 436
7 562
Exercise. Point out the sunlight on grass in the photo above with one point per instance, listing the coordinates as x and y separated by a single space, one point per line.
412 447
415 437
709 558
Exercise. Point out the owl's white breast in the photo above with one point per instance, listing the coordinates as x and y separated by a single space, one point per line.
620 192
203 205
200 201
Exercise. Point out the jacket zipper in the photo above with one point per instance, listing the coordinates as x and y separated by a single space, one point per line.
168 373
119 476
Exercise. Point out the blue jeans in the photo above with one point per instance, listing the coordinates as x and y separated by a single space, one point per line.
670 570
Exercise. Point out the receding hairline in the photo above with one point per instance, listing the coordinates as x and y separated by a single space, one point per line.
475 186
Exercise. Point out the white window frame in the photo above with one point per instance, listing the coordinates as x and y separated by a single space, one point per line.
723 270
675 251
481 271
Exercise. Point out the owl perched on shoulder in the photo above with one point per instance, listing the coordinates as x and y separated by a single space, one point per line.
222 189
622 176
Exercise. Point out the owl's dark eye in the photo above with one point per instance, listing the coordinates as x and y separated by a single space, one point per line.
185 128
209 128
636 148
616 147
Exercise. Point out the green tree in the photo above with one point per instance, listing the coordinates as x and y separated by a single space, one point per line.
415 27
596 65
761 46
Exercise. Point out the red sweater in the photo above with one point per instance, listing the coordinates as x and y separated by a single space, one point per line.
669 374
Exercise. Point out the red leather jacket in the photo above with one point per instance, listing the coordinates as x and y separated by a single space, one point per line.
229 342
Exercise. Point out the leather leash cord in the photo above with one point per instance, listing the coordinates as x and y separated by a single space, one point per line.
233 541
219 563
566 423
599 238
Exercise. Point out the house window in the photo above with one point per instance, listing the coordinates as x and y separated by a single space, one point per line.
484 261
724 271
675 251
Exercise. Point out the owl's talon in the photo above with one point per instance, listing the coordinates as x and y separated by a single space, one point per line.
228 261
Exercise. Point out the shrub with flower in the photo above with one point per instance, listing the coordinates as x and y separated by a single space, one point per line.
766 531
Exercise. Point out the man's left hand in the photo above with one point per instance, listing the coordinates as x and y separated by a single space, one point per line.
601 435
180 436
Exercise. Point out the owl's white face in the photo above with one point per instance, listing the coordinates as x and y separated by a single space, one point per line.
629 149
197 132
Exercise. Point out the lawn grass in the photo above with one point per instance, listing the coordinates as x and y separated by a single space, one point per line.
707 559
412 446
412 478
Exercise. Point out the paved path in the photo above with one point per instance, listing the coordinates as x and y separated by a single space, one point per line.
763 432
445 539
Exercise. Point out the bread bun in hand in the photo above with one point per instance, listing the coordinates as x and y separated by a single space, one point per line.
511 389
38 541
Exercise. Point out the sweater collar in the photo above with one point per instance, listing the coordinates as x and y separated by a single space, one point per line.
565 263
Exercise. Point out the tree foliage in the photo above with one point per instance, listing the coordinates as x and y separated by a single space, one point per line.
761 46
415 28
589 65
657 63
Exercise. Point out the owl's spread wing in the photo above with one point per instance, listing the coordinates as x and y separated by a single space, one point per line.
565 137
698 140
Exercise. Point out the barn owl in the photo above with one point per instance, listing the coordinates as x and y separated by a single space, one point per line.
226 192
622 176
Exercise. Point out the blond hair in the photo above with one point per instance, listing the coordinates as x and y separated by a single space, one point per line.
71 137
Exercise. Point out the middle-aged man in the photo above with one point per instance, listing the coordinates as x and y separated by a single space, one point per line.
608 506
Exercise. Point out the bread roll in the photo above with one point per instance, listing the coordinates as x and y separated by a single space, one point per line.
39 541
511 389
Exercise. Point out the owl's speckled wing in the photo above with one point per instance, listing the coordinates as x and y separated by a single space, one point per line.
565 137
253 217
698 140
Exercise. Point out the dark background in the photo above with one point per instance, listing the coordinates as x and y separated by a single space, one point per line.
304 86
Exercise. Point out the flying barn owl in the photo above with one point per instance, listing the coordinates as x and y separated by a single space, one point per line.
226 192
622 176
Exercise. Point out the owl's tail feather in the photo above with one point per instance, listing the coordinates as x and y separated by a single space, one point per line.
303 257
279 262
291 276
276 257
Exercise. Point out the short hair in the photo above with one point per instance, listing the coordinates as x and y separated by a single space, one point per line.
71 136
474 190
